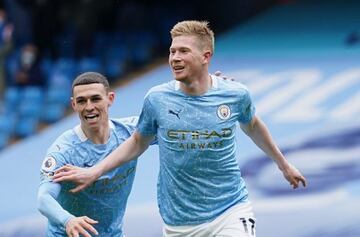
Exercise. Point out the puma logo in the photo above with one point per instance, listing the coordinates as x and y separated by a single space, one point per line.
176 113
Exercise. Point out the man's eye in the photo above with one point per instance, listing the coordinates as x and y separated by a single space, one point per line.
96 99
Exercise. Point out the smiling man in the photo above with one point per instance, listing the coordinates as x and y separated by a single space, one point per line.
100 208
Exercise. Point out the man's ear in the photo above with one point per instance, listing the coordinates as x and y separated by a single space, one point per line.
72 101
111 96
207 56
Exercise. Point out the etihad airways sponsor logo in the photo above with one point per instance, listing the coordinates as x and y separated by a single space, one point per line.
198 135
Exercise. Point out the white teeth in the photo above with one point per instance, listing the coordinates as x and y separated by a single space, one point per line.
91 117
178 68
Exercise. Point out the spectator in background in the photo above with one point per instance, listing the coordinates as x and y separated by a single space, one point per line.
29 71
6 45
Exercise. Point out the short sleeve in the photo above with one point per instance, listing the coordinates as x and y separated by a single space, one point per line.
130 123
147 124
247 108
50 163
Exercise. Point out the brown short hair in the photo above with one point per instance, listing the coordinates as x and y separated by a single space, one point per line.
199 29
90 78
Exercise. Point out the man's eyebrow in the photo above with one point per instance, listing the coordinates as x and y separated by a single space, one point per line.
91 96
80 97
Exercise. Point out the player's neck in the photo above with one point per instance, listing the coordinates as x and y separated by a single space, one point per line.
197 86
99 135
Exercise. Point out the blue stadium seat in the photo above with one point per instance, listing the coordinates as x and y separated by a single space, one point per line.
11 65
7 124
53 113
102 41
116 52
12 97
115 59
46 66
4 140
56 102
66 43
145 42
89 64
30 109
62 73
34 94
31 102
65 66
58 95
60 80
115 68
142 53
26 126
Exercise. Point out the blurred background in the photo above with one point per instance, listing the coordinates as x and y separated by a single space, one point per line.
300 59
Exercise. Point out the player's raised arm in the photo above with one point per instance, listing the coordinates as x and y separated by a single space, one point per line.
259 133
132 148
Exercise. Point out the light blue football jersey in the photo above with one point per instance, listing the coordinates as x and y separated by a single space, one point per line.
105 200
199 175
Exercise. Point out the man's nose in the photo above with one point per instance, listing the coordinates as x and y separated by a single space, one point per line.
175 56
89 105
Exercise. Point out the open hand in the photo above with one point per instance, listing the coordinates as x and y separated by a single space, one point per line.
80 225
83 177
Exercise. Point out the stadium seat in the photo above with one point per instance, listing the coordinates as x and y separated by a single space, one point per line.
12 97
89 64
46 66
115 60
4 140
11 65
114 68
26 126
102 41
66 43
142 43
53 112
34 94
31 103
7 124
66 66
56 95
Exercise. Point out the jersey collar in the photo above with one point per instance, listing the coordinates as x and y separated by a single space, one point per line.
214 83
81 135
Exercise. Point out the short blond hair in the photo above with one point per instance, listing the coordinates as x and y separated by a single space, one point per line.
199 29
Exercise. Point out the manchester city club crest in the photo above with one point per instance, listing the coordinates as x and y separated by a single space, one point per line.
224 112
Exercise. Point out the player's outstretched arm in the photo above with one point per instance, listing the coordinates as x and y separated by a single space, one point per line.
259 133
132 148
51 209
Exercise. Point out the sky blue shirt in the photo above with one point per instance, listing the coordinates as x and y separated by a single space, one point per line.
199 175
104 201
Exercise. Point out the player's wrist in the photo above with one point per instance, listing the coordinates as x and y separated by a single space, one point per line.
67 219
97 171
283 164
